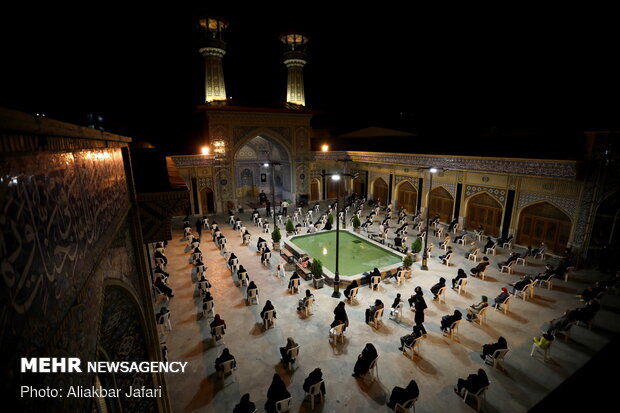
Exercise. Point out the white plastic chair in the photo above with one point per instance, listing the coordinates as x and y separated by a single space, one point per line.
523 262
242 231
441 294
308 306
545 350
315 390
202 286
166 322
507 245
228 367
280 271
481 316
474 255
284 405
252 295
477 396
461 285
207 307
294 289
377 317
397 312
266 258
217 333
492 249
567 273
336 333
548 281
406 406
411 348
462 241
453 330
375 282
373 369
496 357
399 277
446 260
353 295
292 354
540 255
268 319
243 278
504 305
527 291
246 239
266 228
508 267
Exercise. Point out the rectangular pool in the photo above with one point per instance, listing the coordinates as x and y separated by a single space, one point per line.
356 254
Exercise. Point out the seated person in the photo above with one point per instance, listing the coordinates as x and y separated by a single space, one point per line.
563 267
397 301
375 273
159 283
290 343
362 365
446 255
370 312
204 278
452 224
472 384
224 357
539 250
526 253
591 293
544 276
460 236
512 257
347 290
401 396
409 339
474 309
490 348
217 321
544 341
158 271
459 275
448 320
268 306
259 242
398 241
481 267
435 220
501 297
490 243
304 261
161 315
295 276
277 391
159 254
265 255
562 323
232 259
524 282
315 376
327 226
245 405
340 316
303 301
445 241
435 288
587 313
251 286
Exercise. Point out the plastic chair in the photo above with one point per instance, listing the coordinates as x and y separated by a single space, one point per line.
375 282
567 273
441 294
315 390
292 354
407 406
308 306
523 262
411 348
544 350
336 333
508 267
280 271
548 281
481 316
504 305
166 322
399 277
377 317
462 241
266 258
294 289
397 312
461 285
252 295
474 255
493 249
507 245
268 319
217 333
243 278
528 290
207 307
202 286
496 357
373 369
284 405
227 367
453 330
477 396
446 260
353 295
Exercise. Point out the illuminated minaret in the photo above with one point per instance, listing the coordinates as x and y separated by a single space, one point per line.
213 48
295 59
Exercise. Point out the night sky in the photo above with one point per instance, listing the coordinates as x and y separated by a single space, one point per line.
446 73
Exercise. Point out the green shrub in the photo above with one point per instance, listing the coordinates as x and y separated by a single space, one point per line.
416 246
408 261
316 268
356 222
275 234
330 219
290 227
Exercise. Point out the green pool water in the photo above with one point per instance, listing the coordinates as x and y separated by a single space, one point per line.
356 254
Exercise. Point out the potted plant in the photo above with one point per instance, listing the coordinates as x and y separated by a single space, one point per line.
276 237
407 261
356 223
330 219
290 227
316 268
416 247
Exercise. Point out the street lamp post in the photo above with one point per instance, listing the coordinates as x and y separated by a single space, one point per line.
428 207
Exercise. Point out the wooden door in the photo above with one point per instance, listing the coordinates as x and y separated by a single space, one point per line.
332 188
380 191
407 197
544 222
442 204
315 190
484 210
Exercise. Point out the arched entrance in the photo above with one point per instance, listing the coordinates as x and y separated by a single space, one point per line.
207 203
544 222
315 190
484 210
359 187
262 164
380 191
407 197
442 204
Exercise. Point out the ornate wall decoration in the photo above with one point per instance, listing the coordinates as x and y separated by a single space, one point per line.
205 181
558 169
411 179
301 140
122 338
246 152
449 186
569 206
240 131
500 194
59 209
193 160
314 174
